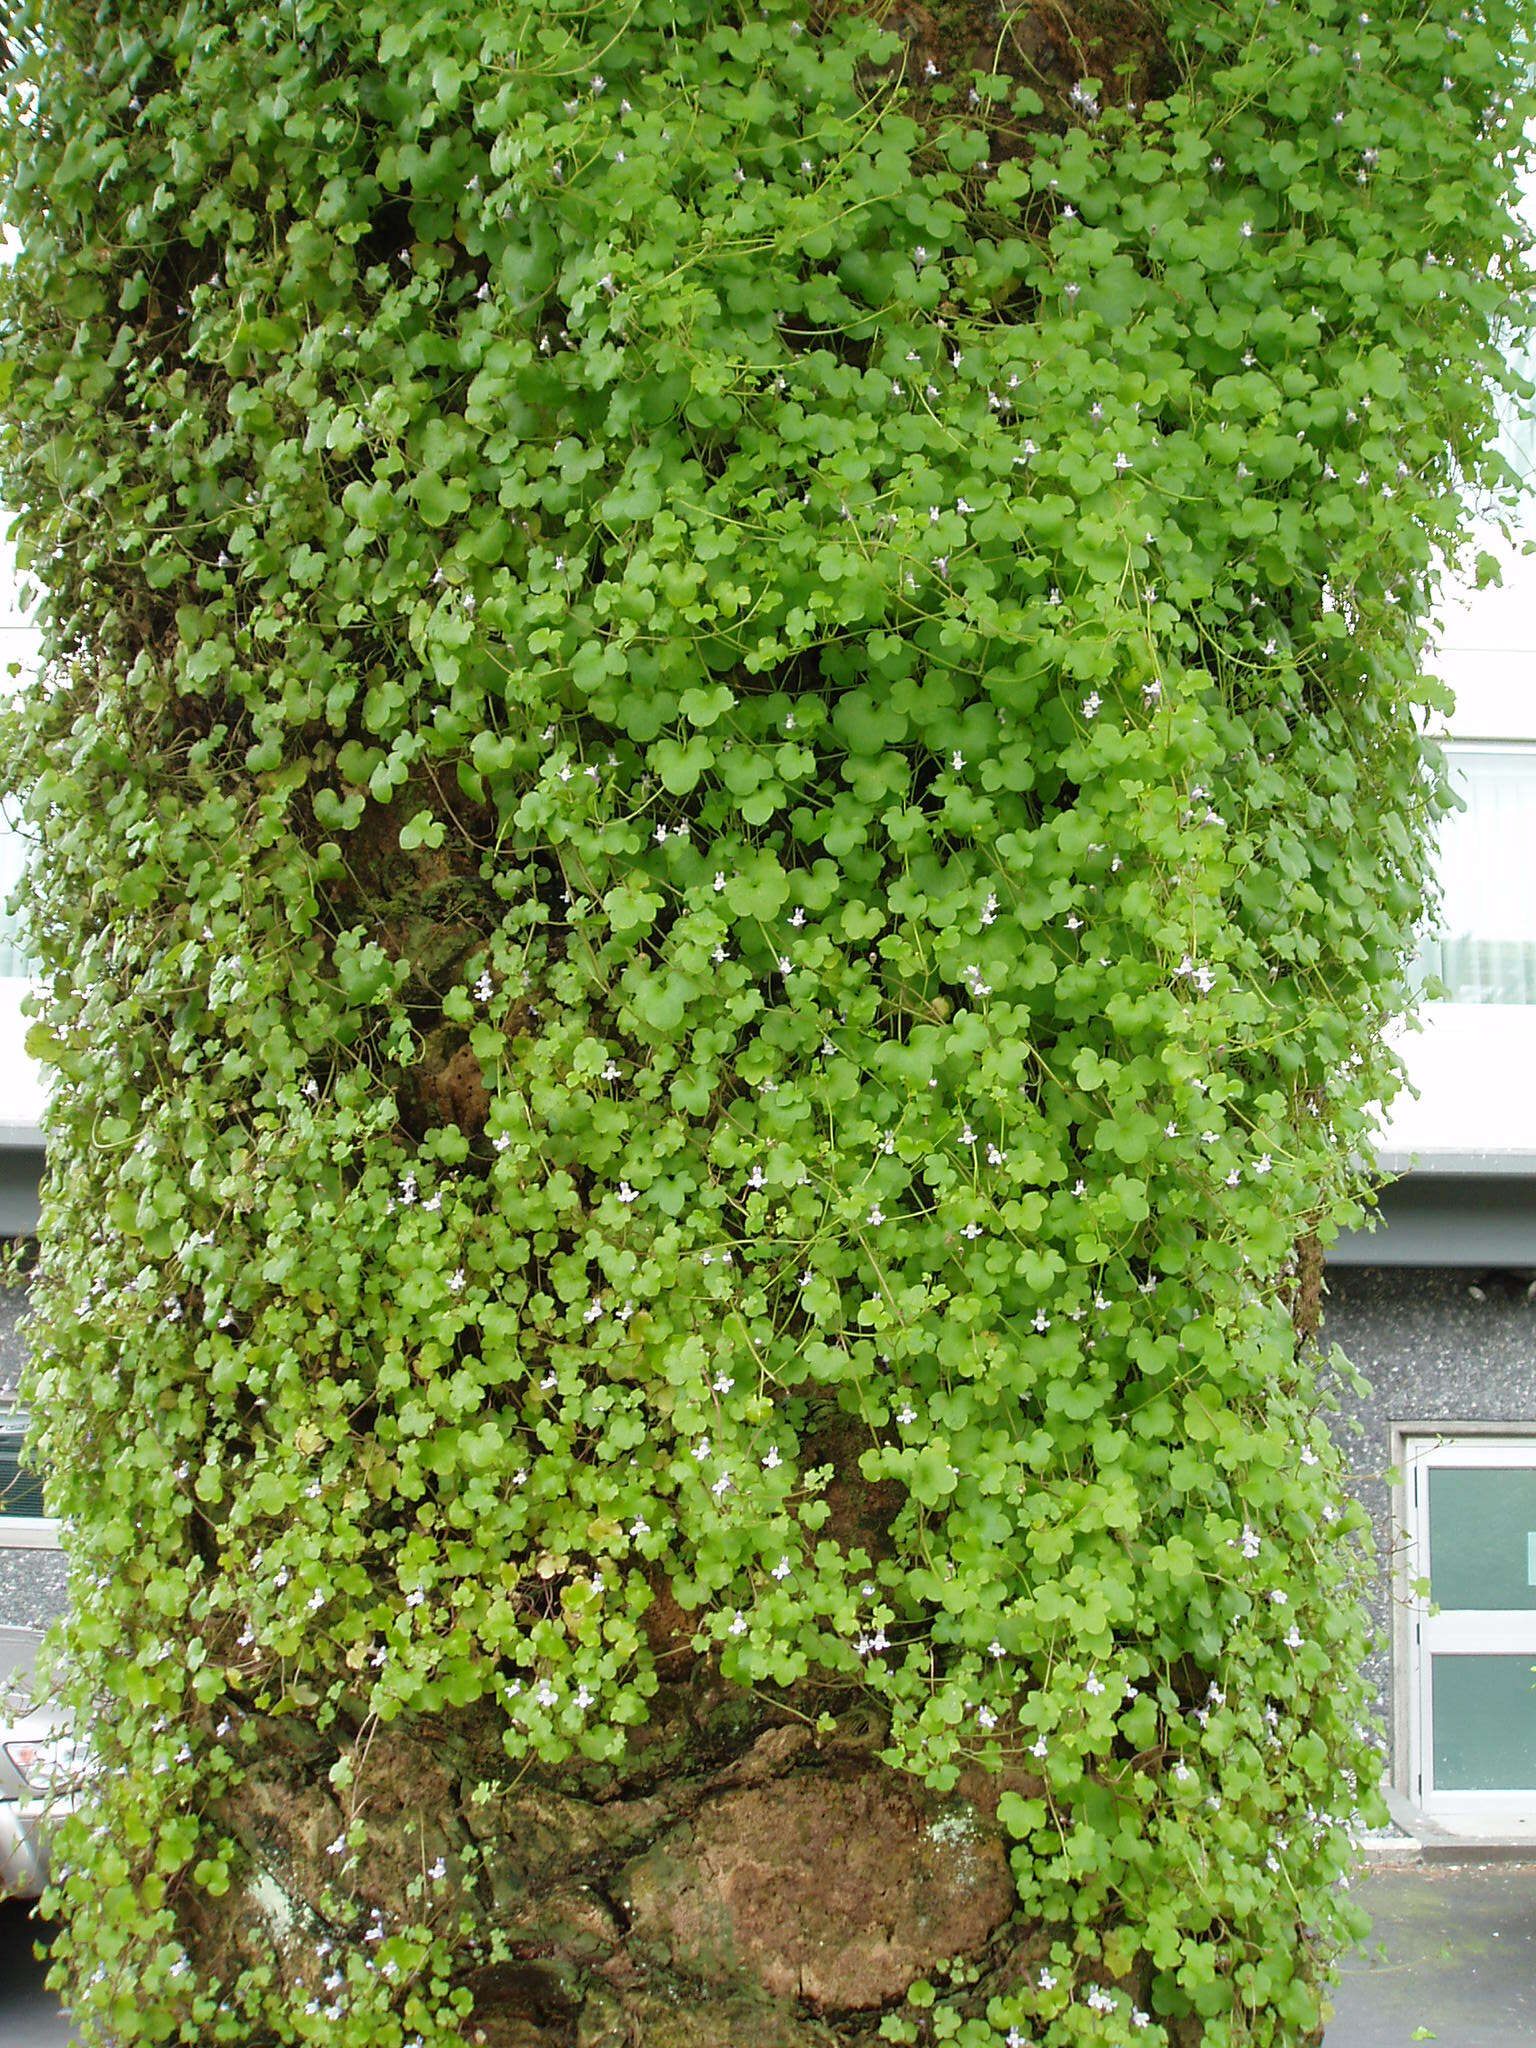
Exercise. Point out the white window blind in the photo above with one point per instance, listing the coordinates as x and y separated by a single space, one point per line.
14 965
1483 947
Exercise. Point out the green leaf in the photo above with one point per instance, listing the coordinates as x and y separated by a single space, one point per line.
422 829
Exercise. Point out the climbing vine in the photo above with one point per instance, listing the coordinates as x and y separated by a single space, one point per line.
729 799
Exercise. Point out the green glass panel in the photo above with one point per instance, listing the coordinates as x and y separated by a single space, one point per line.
1481 1521
1485 1723
21 1492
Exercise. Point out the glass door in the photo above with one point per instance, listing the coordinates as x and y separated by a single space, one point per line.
1472 1686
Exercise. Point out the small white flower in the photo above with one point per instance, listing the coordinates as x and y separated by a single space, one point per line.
906 1414
626 1192
1047 1979
876 1215
738 1624
1293 1637
772 1459
782 1568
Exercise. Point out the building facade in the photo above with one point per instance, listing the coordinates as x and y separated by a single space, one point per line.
1436 1307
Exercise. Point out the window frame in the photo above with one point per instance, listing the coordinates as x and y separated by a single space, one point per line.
1454 745
1416 1449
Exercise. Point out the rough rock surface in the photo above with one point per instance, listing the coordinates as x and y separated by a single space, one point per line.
836 1889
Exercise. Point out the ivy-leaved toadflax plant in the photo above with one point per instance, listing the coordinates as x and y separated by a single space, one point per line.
728 801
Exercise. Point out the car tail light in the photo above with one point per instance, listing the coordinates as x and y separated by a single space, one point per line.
48 1765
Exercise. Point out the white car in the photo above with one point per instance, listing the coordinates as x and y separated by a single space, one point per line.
37 1764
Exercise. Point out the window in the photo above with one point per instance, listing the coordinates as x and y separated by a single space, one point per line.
18 660
1471 1643
1483 946
14 965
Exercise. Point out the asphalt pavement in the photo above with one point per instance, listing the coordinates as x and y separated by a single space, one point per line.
29 2013
1451 1959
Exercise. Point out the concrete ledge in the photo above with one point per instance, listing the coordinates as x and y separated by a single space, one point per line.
1414 1837
1486 1218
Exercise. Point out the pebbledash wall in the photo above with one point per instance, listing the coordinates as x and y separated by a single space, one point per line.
1436 1305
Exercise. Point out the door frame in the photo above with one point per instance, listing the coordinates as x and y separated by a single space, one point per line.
1418 1634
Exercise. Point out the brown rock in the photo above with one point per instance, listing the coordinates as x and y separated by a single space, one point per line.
836 1889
